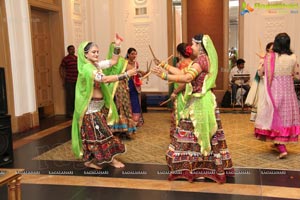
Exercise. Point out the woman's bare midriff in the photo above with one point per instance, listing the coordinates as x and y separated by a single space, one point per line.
97 93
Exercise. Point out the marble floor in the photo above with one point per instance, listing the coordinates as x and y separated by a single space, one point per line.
64 180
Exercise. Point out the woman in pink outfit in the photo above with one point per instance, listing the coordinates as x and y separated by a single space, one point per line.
281 122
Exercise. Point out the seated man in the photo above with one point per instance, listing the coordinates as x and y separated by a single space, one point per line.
239 78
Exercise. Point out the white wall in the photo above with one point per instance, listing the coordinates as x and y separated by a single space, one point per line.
264 24
98 21
92 20
140 31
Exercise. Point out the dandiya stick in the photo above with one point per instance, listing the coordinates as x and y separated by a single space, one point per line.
148 66
166 59
151 62
146 75
164 102
152 52
155 56
148 71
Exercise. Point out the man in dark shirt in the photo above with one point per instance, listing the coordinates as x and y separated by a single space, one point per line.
68 71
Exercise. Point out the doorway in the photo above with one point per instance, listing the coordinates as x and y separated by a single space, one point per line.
42 58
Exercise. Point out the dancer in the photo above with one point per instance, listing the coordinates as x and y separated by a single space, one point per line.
120 92
256 94
279 120
198 148
134 85
92 138
184 55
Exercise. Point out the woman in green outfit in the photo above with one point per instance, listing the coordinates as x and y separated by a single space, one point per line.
95 110
184 54
198 147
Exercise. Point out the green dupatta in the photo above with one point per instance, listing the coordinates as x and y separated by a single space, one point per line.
200 107
83 95
180 101
118 68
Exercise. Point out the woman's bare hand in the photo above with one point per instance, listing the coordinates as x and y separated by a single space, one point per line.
132 72
118 39
157 70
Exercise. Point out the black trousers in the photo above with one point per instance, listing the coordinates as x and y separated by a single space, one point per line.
70 98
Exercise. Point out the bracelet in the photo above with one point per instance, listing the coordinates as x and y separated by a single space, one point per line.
122 77
117 50
127 76
193 72
162 64
164 76
167 67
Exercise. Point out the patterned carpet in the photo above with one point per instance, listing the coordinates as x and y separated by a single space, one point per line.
151 141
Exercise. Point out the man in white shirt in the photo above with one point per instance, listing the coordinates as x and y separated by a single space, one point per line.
239 82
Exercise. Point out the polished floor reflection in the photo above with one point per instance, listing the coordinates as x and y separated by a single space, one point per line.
71 180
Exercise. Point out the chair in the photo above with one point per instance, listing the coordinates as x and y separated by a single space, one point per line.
239 97
240 92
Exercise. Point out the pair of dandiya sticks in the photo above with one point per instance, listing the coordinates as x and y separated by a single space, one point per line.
146 75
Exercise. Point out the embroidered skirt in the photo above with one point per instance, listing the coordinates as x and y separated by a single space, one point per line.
98 141
186 162
123 103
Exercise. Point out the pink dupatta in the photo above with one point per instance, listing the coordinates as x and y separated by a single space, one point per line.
269 65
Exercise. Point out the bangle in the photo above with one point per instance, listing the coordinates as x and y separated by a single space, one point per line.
193 72
164 76
167 67
177 78
122 77
117 50
162 64
127 76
